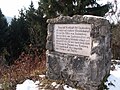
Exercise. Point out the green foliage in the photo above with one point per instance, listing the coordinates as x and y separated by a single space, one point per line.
18 37
25 32
29 30
3 37
37 28
3 31
54 8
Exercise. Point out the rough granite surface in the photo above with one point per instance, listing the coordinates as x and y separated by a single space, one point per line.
76 70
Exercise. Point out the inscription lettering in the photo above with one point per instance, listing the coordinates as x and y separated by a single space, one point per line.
72 38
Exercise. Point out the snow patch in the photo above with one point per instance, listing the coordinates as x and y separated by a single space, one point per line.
93 56
57 86
113 82
27 85
42 76
54 84
93 16
66 87
0 86
95 43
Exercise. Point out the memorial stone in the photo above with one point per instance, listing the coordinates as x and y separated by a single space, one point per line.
78 50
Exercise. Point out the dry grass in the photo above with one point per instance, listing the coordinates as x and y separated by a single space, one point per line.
26 66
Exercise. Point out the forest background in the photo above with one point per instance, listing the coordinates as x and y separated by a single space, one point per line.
23 41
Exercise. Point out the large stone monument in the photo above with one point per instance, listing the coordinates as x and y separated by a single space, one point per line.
78 50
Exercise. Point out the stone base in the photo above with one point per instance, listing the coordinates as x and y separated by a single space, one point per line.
77 70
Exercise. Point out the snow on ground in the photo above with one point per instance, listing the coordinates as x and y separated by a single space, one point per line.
113 81
66 87
28 85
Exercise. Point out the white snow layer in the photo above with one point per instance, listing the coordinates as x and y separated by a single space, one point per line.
93 16
28 85
66 87
113 82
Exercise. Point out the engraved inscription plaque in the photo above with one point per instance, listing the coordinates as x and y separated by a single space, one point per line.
72 38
